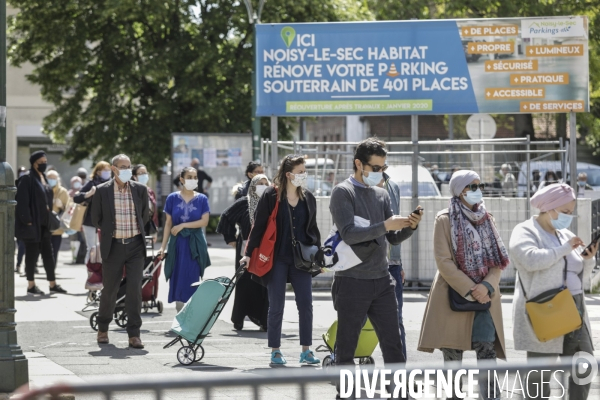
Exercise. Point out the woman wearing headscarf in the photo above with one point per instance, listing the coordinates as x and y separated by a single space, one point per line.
34 205
470 257
251 298
540 249
252 169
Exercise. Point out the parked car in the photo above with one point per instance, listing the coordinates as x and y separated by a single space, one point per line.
402 175
592 171
320 182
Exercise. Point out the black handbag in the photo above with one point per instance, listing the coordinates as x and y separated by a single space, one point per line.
53 221
305 256
459 303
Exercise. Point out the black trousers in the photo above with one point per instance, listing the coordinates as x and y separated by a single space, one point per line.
131 256
354 299
56 242
32 253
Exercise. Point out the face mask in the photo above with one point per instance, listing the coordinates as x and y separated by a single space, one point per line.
42 167
474 197
143 179
52 182
77 185
373 179
105 175
562 222
299 179
260 189
581 183
191 184
125 175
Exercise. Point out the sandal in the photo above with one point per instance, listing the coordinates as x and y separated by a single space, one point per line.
308 357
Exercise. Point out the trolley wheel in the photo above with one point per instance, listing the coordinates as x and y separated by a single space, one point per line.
121 319
145 307
159 305
366 361
186 355
199 350
94 321
327 362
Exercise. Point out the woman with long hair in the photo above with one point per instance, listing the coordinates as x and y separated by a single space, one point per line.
251 298
100 174
470 257
298 212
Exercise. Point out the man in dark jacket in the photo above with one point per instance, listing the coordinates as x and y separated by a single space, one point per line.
120 210
34 205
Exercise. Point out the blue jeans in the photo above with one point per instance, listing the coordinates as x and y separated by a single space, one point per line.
282 272
395 271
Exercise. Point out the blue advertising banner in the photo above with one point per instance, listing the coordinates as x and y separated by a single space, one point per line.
511 65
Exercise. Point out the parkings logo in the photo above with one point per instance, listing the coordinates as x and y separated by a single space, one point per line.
288 34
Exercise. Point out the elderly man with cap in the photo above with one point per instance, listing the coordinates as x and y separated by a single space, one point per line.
542 250
34 205
470 257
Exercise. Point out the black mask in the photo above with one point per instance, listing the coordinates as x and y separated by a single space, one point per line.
42 167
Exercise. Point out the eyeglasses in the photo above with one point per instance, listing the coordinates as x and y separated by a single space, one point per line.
378 168
475 186
123 168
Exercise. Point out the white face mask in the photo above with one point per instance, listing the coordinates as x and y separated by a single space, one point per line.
260 189
191 184
299 179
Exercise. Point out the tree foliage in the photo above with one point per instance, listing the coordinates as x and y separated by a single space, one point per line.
123 74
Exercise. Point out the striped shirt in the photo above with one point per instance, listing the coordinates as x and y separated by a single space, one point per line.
126 225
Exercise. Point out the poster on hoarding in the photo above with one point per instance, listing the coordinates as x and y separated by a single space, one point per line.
505 65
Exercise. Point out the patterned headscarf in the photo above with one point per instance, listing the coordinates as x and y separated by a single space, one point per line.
476 243
253 197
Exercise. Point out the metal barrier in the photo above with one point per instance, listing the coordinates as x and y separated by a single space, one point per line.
302 377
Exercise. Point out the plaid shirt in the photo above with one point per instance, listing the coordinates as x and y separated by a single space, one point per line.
126 225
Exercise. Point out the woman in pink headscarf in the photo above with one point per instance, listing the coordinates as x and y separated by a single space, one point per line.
542 249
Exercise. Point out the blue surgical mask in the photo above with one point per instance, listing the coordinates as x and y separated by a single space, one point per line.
125 175
474 197
373 179
581 183
143 179
562 222
105 175
52 182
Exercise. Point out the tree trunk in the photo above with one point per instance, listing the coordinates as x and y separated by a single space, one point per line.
561 126
524 125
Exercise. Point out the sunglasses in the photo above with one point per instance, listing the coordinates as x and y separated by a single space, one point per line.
378 168
475 186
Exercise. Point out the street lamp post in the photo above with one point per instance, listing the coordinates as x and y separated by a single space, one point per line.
13 364
254 19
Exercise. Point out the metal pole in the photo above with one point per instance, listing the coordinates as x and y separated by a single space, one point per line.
414 136
274 149
573 162
13 364
255 118
481 148
528 180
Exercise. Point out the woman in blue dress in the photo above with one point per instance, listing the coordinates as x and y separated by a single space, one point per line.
187 212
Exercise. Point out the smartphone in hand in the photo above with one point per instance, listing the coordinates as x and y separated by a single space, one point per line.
418 211
594 241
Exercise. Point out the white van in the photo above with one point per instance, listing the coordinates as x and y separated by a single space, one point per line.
402 175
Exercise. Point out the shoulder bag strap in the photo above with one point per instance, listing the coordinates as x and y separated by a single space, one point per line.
564 273
291 224
565 257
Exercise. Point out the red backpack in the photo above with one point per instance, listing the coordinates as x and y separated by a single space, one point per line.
261 261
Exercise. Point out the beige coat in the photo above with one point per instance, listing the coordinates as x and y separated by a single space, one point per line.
61 194
442 327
